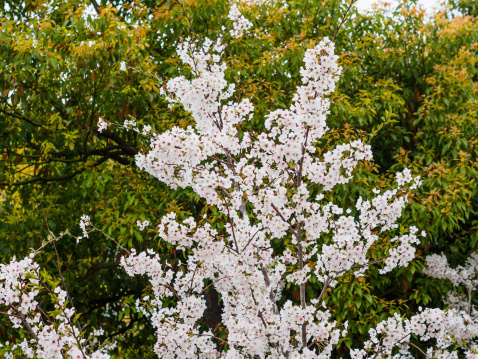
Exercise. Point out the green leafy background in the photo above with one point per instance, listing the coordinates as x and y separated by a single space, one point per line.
408 79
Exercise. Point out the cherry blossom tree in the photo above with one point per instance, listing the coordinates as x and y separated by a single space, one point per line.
261 183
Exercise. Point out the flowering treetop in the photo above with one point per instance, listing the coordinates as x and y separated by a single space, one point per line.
261 183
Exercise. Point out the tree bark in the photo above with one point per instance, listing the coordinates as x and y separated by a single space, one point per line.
213 312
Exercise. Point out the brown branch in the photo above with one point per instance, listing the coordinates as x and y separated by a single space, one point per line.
123 330
219 160
282 217
213 283
127 148
326 284
96 6
21 118
421 351
189 21
343 19
249 242
25 322
299 172
299 239
101 302
109 237
95 268
64 177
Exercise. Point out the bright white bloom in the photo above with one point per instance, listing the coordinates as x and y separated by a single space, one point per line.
447 330
142 225
84 221
467 275
267 176
102 125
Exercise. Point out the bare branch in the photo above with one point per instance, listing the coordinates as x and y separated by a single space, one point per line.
343 19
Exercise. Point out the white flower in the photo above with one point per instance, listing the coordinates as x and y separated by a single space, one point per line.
102 125
142 225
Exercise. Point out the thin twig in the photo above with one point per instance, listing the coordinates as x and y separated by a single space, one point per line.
189 21
421 351
107 236
326 284
343 19
22 317
250 240
282 217
214 283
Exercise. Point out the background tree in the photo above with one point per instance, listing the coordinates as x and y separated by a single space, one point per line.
61 71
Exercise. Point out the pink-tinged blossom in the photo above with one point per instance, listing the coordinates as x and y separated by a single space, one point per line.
467 275
446 330
239 23
84 221
55 338
142 225
265 176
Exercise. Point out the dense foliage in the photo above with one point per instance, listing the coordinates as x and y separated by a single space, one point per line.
408 80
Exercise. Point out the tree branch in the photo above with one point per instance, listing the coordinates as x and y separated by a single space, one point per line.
96 6
282 217
343 19
128 148
21 118
123 330
98 267
114 155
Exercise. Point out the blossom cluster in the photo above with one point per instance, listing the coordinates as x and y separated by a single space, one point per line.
451 331
239 23
84 221
102 125
467 275
392 337
52 336
142 225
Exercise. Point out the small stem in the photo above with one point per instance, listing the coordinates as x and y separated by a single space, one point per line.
25 322
268 284
326 285
189 22
61 275
282 217
302 286
299 239
299 172
192 279
214 283
469 300
421 351
343 19
107 236
249 242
